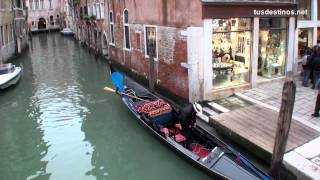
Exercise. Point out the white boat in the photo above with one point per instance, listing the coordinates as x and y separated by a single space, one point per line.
66 31
9 75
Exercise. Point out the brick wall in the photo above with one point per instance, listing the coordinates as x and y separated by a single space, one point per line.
172 51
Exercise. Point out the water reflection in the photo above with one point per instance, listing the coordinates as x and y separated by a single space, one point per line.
57 123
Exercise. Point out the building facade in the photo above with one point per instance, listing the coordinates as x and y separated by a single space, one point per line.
67 14
44 15
13 32
90 23
203 49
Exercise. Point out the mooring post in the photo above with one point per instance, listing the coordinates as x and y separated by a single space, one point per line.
283 127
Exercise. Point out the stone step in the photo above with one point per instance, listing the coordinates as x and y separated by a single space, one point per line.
218 107
209 112
203 117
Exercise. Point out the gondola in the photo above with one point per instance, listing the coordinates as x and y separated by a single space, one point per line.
162 119
9 75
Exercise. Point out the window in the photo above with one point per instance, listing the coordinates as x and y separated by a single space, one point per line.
89 10
18 4
86 10
94 12
1 36
36 5
111 27
41 4
102 10
272 47
126 29
9 33
81 12
51 20
6 35
98 11
50 4
231 51
151 41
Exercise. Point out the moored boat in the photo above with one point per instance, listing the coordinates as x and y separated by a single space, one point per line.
174 127
66 31
9 75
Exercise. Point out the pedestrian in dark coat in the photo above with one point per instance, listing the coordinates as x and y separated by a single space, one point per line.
307 65
316 68
313 56
317 107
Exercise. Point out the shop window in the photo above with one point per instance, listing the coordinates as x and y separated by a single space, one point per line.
302 6
231 51
151 41
304 40
272 47
111 28
126 29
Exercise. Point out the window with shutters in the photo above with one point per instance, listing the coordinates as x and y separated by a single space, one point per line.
112 41
126 29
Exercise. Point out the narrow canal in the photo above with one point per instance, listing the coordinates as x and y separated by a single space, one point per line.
58 123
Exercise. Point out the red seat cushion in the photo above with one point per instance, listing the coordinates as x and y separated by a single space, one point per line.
198 150
178 126
179 138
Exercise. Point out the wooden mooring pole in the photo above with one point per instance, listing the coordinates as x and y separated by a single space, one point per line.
283 127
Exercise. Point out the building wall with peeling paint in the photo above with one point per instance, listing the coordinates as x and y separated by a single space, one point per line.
49 10
170 18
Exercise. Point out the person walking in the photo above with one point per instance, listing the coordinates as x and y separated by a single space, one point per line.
316 68
306 65
313 56
317 106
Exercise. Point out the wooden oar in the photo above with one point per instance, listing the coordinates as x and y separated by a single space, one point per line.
114 91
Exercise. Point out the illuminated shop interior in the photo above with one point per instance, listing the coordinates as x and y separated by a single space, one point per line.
231 51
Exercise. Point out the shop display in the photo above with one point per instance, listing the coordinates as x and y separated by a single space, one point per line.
231 50
272 48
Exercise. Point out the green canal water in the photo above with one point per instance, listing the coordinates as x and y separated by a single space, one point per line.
59 124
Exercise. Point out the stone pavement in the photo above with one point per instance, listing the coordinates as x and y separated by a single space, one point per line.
270 94
303 161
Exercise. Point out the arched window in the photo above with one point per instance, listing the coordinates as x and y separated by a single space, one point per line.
126 29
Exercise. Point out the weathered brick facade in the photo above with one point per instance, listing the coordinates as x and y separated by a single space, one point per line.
171 45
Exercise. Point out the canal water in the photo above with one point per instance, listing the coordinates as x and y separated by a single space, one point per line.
59 124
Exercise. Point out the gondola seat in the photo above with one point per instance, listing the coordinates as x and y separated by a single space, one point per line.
199 150
179 138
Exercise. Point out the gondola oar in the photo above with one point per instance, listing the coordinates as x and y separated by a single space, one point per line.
124 94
